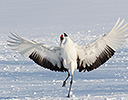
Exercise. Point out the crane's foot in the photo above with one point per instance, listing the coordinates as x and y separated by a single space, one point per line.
64 83
68 96
70 87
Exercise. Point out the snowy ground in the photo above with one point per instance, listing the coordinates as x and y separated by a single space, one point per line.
44 21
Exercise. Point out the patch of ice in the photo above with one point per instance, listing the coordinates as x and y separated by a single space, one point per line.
89 31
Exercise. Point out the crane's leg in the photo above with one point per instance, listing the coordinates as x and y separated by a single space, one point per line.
64 83
70 86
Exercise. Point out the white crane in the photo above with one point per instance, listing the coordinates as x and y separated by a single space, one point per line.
69 56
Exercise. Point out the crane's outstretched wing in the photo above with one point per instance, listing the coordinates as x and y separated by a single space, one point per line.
98 52
45 56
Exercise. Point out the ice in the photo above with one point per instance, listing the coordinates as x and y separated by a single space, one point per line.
44 21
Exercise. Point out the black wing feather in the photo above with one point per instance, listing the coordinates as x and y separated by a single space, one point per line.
44 62
102 58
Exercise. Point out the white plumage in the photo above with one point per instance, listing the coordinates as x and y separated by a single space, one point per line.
70 56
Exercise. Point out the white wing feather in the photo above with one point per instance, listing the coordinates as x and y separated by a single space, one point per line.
26 48
23 46
102 47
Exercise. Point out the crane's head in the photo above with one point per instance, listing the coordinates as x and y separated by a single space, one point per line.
62 38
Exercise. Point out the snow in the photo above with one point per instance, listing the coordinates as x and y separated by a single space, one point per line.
44 21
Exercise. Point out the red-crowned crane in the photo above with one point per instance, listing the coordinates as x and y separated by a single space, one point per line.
69 56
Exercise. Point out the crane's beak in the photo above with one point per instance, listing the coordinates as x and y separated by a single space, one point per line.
61 42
